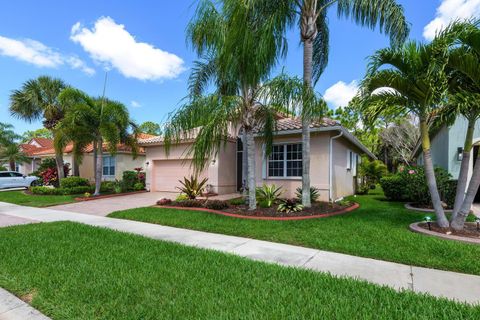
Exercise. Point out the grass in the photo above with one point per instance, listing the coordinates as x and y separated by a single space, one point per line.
31 200
73 271
378 229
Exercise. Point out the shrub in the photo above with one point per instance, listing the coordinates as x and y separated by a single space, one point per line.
449 193
87 194
164 202
190 203
70 182
267 195
76 190
289 205
393 187
181 197
107 186
314 194
129 179
138 186
192 187
216 205
237 201
47 171
45 191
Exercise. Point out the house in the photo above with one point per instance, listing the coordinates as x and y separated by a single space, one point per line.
447 148
335 153
39 149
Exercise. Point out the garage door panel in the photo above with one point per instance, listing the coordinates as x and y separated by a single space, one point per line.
168 172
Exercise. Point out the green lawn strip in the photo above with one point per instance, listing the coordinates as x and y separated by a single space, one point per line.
379 229
81 272
21 198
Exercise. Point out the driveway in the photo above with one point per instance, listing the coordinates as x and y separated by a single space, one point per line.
476 209
102 207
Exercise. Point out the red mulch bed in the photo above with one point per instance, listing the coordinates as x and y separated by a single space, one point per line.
469 231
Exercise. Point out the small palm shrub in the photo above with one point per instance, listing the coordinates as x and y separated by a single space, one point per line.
267 195
289 205
314 194
192 187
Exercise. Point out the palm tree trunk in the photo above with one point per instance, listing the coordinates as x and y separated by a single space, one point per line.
60 165
252 200
430 176
99 167
244 164
12 165
459 221
307 80
463 175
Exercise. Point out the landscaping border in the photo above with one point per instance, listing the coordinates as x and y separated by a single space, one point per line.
112 195
354 206
416 228
409 206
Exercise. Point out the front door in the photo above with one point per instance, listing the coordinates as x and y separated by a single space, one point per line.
475 156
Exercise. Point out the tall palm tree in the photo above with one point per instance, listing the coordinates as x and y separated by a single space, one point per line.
239 43
13 155
99 121
311 16
410 78
38 99
7 135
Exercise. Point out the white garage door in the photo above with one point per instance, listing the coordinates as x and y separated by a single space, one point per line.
168 172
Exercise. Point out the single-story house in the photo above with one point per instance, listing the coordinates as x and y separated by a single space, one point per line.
447 147
39 149
335 154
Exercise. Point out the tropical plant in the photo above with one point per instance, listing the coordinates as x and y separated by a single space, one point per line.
192 187
289 205
216 204
243 97
38 99
371 172
268 194
410 78
311 16
38 133
104 123
13 155
7 135
314 194
150 127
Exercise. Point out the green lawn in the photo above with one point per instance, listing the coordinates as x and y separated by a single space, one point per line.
379 229
19 197
74 271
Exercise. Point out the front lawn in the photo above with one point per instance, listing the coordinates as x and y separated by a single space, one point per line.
31 200
73 271
379 229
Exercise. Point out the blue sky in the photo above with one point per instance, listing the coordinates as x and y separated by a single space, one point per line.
142 44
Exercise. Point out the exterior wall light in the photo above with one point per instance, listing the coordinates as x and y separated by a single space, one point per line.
459 154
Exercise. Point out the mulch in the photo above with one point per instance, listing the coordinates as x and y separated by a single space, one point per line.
316 209
469 231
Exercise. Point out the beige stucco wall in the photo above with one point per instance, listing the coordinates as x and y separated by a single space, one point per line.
126 162
221 172
343 180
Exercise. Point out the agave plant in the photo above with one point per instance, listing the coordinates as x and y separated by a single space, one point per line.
314 194
289 205
268 194
192 187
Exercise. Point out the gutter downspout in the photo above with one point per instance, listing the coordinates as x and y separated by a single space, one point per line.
330 170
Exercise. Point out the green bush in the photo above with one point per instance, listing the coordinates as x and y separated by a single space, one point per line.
181 197
71 182
45 191
449 193
267 195
107 186
314 194
393 187
189 203
237 201
129 178
138 186
61 191
216 205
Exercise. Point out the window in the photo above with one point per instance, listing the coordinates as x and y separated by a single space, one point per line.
349 159
4 175
285 161
16 174
108 166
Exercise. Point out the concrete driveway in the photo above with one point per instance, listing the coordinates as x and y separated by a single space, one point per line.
102 207
476 209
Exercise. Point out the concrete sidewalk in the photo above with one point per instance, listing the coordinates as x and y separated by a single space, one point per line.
452 285
12 308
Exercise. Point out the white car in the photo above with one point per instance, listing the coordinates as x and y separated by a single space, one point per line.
12 179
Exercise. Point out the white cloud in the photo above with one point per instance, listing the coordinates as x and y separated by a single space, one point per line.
448 11
340 94
135 104
109 43
38 54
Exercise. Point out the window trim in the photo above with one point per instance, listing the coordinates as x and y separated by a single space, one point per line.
109 176
284 177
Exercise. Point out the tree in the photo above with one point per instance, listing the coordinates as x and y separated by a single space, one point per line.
237 71
103 122
400 139
415 78
150 127
12 154
38 133
7 135
38 99
311 16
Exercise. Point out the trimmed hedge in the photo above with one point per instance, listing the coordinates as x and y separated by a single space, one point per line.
61 191
71 182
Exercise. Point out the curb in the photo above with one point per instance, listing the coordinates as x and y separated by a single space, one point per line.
416 228
12 308
233 215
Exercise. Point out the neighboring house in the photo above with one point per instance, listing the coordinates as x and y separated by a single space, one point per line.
335 154
447 148
113 165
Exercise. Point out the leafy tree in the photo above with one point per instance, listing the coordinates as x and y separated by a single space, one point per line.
150 127
38 133
38 99
415 78
12 154
7 135
100 121
400 139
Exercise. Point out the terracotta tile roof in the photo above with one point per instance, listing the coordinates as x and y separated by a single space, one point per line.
296 124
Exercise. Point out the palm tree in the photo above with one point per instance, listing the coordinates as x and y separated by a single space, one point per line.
410 78
99 121
311 16
7 135
38 99
13 155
